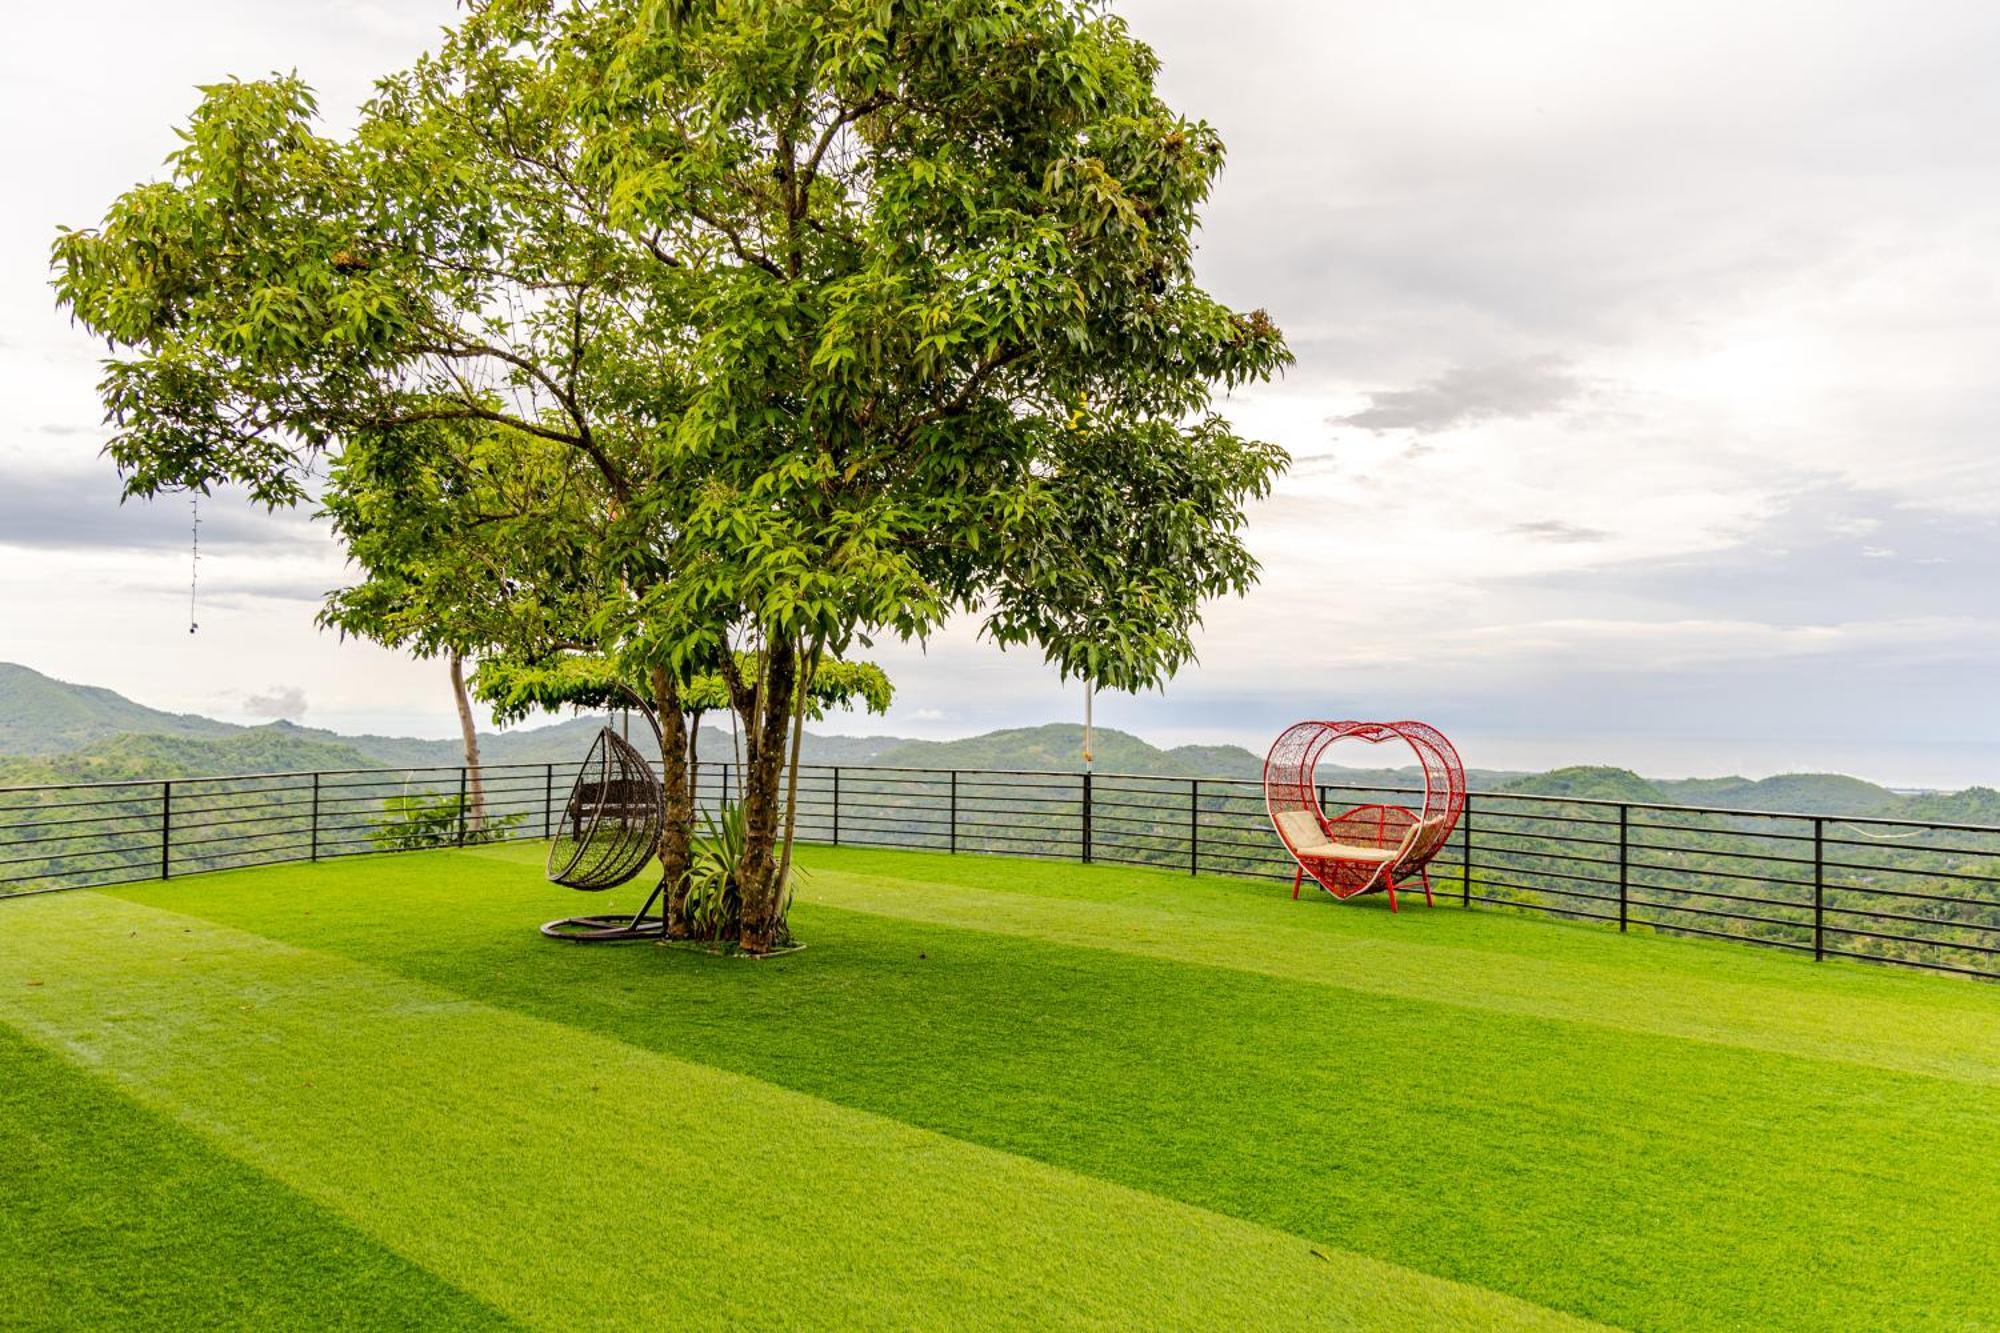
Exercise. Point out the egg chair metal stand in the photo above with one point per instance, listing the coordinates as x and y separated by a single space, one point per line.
609 832
1366 848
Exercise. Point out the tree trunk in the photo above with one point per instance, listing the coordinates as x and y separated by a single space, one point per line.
757 878
694 767
475 812
677 825
804 692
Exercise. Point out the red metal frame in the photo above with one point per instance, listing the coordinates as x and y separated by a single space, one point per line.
1364 831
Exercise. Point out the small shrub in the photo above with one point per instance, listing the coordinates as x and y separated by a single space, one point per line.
412 822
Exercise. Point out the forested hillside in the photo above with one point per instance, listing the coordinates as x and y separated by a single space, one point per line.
123 758
41 715
1813 793
1058 747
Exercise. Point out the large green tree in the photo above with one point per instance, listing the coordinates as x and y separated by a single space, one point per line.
859 316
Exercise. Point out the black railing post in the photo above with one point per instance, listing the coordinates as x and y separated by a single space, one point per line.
1194 826
725 787
461 804
954 812
548 800
836 805
1624 862
1819 889
315 818
1086 818
166 826
1465 876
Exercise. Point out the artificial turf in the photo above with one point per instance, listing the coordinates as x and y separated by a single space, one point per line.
993 1092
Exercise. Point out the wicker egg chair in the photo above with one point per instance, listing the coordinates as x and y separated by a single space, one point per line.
609 832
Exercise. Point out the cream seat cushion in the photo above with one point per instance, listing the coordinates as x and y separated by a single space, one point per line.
1301 829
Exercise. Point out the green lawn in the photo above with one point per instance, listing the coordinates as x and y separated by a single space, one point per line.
989 1093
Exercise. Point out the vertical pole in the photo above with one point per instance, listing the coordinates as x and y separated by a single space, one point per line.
166 825
1086 818
548 800
1819 889
1465 877
725 785
315 818
954 812
836 805
1194 826
461 804
1624 862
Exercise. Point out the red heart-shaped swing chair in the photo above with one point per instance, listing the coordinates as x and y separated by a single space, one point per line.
1364 848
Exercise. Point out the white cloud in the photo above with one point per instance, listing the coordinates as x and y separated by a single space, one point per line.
280 701
1466 395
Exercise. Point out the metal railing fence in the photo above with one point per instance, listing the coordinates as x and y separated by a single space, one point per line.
1886 890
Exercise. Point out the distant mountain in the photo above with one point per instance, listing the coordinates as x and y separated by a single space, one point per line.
1058 747
156 757
1974 805
1821 793
818 749
1588 782
45 718
42 715
1411 778
1811 793
561 742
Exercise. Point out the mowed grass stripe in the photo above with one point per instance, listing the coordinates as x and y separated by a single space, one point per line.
1634 1178
1485 960
113 1216
573 1180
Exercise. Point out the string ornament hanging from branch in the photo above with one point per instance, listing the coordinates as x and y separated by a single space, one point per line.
194 562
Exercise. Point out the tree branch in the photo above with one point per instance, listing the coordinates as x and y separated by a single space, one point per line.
582 438
810 172
741 696
735 238
974 382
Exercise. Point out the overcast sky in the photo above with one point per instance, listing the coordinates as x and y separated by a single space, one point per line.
1643 413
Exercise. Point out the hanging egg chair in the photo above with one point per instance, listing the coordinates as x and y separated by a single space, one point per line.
609 831
1362 848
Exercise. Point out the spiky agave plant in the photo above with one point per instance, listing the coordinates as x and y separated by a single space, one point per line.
714 904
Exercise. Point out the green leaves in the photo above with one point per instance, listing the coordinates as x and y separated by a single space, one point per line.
517 689
472 537
1115 551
